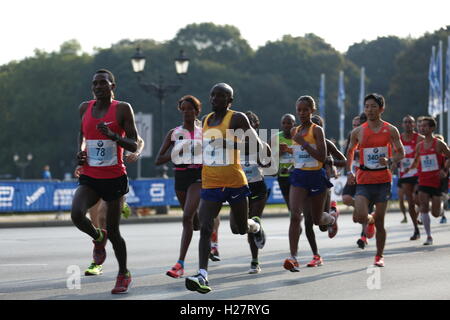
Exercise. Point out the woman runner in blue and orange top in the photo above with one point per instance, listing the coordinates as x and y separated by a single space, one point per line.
309 181
373 178
430 159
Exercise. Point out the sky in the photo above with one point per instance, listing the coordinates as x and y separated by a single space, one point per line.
27 25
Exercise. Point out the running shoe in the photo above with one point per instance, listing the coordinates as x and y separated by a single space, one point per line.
214 255
443 219
123 283
362 242
317 261
260 236
416 235
254 268
291 264
126 210
93 270
405 220
333 228
177 271
323 228
379 261
99 253
429 241
370 229
197 283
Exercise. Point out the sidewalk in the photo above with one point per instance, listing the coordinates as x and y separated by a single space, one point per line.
36 220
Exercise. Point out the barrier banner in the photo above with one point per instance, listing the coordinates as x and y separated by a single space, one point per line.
41 196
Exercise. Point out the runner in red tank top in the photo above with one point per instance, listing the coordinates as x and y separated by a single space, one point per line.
374 140
408 181
108 128
429 158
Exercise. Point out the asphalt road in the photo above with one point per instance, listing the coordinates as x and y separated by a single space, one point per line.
43 264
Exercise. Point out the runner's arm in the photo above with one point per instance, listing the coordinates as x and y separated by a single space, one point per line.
399 150
351 154
126 121
338 159
163 155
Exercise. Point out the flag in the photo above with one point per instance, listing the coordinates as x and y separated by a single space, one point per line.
447 78
322 97
362 90
341 107
432 107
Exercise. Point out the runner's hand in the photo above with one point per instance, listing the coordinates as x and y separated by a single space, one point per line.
132 157
78 171
351 180
81 157
103 128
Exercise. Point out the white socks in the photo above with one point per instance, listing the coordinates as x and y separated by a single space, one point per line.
204 273
426 223
253 226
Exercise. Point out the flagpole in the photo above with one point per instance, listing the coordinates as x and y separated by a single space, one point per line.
362 90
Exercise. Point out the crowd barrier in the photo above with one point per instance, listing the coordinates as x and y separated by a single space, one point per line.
41 195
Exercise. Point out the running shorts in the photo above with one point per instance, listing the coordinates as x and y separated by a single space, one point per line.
184 178
375 193
107 189
232 195
314 181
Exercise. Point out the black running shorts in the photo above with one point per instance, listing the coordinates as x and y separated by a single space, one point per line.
107 189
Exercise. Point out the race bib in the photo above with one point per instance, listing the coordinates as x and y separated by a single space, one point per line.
408 150
251 168
303 159
372 156
286 157
429 163
406 163
214 155
187 151
101 153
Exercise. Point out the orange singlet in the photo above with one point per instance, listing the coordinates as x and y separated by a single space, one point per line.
374 145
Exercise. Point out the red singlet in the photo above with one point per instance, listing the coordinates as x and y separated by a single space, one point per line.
104 156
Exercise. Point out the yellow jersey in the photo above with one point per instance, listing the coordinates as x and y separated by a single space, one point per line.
221 167
302 159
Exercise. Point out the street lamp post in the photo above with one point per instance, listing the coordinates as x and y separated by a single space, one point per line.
160 89
22 164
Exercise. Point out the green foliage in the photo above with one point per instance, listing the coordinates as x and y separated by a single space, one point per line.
39 96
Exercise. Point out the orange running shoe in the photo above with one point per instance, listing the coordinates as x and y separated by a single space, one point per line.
370 229
123 283
177 271
379 261
315 262
291 264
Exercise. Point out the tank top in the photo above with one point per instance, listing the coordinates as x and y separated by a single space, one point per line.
302 159
410 153
374 145
252 170
430 164
286 158
221 167
104 156
187 151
